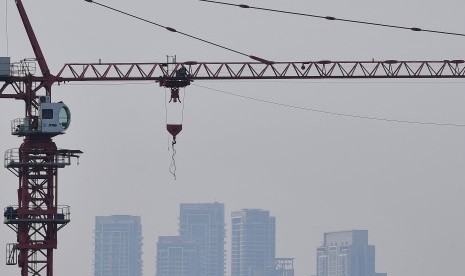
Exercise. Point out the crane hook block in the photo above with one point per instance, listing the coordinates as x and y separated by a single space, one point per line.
174 129
175 95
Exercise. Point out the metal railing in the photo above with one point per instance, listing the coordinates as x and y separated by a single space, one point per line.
63 212
11 156
12 254
37 158
11 212
24 68
24 126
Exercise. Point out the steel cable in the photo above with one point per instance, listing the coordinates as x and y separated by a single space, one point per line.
182 33
332 18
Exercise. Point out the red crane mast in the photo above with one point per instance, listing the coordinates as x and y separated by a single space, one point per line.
37 217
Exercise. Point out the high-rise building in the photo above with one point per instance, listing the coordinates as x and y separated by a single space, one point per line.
177 256
284 267
204 223
346 253
253 243
118 246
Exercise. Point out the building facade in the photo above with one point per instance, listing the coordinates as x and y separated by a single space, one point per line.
118 246
253 243
177 256
284 267
204 223
346 253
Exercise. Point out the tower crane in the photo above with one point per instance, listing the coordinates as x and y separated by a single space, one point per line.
37 217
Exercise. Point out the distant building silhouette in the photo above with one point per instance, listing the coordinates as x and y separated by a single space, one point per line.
201 241
118 246
346 253
204 223
178 256
284 267
253 243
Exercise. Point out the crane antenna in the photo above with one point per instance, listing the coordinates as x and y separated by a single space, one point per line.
182 33
332 18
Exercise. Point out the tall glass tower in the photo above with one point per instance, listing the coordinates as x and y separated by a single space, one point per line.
346 253
118 246
253 243
204 223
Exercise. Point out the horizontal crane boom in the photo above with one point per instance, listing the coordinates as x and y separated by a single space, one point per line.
182 73
254 70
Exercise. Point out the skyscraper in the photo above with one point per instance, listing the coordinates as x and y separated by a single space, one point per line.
284 267
177 256
204 223
118 246
346 253
253 243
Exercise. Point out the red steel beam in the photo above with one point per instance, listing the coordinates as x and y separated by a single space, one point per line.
33 39
255 70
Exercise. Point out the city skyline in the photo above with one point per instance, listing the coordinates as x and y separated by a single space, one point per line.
343 253
286 146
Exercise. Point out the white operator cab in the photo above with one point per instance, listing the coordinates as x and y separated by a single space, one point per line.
54 118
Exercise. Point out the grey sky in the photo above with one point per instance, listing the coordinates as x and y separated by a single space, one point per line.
314 172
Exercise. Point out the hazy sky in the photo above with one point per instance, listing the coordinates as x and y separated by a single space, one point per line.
314 172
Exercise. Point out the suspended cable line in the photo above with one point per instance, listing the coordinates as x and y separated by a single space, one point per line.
307 108
330 112
332 18
6 28
182 33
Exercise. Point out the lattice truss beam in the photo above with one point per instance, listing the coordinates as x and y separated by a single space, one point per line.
185 72
255 70
37 218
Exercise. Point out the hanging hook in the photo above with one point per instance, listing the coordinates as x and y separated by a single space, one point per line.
173 160
175 95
